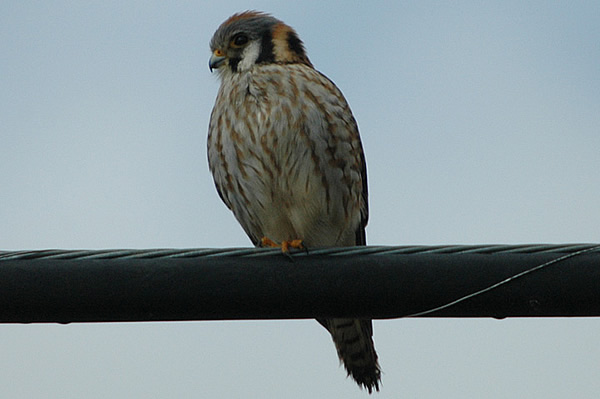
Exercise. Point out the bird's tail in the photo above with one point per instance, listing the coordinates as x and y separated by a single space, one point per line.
353 340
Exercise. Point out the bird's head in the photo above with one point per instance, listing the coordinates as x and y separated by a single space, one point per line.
251 38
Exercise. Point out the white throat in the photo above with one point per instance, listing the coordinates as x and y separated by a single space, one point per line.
249 56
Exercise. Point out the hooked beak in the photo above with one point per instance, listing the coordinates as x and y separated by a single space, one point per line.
216 59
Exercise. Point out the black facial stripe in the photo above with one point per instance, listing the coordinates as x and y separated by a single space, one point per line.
295 44
233 63
266 49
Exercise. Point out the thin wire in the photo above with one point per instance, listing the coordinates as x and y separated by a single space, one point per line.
504 282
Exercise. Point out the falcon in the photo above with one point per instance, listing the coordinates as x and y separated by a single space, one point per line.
286 157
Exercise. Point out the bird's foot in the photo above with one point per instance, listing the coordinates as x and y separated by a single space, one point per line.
285 245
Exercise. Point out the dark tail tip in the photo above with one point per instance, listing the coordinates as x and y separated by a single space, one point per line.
367 377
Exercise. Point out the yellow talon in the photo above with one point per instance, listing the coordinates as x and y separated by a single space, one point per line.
267 242
285 245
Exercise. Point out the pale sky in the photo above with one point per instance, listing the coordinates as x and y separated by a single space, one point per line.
480 122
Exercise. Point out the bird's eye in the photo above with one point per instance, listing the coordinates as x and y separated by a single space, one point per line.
239 40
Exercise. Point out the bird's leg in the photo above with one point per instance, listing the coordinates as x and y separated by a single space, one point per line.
268 243
285 245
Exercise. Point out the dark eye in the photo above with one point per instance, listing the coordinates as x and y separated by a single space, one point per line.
239 40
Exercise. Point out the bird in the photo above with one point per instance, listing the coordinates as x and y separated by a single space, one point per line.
286 157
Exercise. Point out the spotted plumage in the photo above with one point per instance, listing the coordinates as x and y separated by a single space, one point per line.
286 156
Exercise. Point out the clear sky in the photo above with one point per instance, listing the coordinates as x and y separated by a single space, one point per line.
480 122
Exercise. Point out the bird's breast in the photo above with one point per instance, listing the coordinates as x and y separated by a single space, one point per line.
275 157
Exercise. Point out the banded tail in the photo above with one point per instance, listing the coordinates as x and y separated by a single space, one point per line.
353 339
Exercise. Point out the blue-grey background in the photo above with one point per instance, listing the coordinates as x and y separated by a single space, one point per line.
480 122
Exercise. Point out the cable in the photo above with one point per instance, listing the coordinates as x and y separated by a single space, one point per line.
503 282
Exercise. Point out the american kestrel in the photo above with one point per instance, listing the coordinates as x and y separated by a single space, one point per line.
286 157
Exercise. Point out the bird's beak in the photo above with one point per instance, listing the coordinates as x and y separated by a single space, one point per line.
216 59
